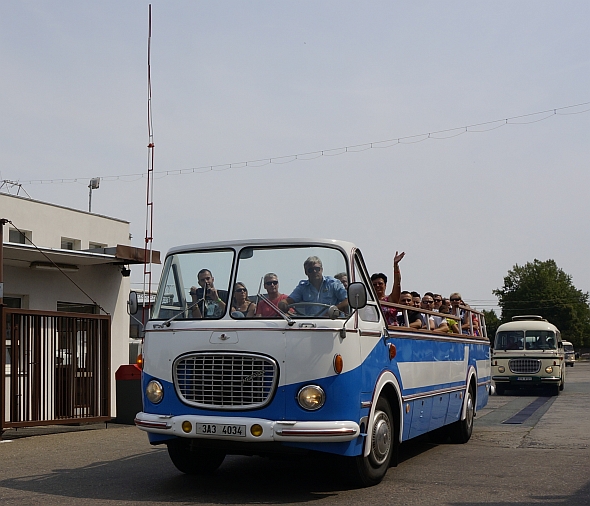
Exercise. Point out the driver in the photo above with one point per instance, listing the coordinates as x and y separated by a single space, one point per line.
316 289
214 303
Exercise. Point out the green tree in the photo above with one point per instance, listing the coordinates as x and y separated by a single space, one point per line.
492 323
544 289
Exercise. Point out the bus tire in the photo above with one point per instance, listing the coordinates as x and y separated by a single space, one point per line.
193 461
562 384
500 389
460 431
370 470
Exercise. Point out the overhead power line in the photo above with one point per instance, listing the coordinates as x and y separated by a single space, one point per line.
449 133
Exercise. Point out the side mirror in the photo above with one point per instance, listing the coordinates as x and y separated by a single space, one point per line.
357 295
132 303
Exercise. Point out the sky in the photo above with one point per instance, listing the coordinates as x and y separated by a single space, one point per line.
471 181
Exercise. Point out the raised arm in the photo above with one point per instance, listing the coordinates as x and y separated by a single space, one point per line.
397 278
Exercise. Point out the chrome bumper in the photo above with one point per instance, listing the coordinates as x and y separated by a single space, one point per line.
271 430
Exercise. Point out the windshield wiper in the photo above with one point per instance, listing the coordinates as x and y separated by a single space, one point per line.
167 322
285 316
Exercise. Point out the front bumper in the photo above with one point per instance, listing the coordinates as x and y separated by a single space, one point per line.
534 380
272 430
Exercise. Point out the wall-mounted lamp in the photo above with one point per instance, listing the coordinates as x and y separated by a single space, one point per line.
125 272
46 266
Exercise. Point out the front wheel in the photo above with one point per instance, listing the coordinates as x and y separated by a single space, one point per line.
461 430
370 470
500 389
190 460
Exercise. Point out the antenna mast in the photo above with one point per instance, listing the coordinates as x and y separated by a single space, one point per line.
149 218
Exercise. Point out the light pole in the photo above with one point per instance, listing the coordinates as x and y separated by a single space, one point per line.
93 185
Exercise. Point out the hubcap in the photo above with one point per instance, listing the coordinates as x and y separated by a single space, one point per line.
381 438
469 413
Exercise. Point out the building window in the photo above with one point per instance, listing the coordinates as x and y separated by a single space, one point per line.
23 237
96 245
74 307
71 244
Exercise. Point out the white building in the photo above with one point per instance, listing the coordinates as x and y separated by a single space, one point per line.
93 253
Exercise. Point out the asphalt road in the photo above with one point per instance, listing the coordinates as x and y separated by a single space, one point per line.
544 459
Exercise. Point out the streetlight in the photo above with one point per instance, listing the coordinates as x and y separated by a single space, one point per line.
93 185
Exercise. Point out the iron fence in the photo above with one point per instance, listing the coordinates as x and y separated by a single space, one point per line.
56 368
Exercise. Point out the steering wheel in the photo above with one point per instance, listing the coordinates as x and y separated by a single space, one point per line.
299 308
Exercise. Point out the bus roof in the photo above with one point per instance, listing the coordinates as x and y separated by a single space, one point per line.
344 245
528 325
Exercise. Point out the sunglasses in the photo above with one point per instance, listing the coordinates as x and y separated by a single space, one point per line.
427 302
275 282
455 300
314 269
241 290
437 300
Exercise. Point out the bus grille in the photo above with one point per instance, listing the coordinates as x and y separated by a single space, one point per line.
225 380
524 365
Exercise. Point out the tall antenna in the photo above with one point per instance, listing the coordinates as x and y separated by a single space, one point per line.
149 217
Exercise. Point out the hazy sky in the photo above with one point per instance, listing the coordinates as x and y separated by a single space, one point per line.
243 81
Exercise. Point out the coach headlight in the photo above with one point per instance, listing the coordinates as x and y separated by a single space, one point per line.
549 369
311 397
154 391
501 368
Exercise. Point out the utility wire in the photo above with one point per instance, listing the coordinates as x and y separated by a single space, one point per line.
59 268
484 127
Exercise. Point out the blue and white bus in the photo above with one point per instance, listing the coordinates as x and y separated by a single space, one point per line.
314 368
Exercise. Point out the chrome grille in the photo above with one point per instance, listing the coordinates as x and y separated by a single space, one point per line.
524 365
225 380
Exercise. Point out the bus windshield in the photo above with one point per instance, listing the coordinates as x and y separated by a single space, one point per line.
194 284
201 284
307 276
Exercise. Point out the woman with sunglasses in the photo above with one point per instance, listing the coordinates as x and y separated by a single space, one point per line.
241 304
271 285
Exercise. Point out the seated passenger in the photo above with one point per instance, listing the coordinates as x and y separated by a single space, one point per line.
416 299
207 301
452 326
512 344
343 278
457 301
316 289
379 281
437 323
240 303
265 308
414 320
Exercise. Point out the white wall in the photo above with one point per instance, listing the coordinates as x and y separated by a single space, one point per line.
50 223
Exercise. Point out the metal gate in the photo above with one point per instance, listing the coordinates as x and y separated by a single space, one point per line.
55 368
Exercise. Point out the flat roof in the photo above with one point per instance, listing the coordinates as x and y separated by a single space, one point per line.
61 207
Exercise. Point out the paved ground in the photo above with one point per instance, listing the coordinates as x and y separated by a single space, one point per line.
543 460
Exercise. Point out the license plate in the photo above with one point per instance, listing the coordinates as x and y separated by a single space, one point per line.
524 378
218 429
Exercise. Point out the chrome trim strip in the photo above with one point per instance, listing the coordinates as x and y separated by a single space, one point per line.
371 333
434 393
366 404
316 432
151 424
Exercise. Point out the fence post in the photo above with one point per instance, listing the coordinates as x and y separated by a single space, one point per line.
3 222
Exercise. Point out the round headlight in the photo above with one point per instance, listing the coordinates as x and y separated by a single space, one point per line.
549 369
501 368
311 397
154 391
